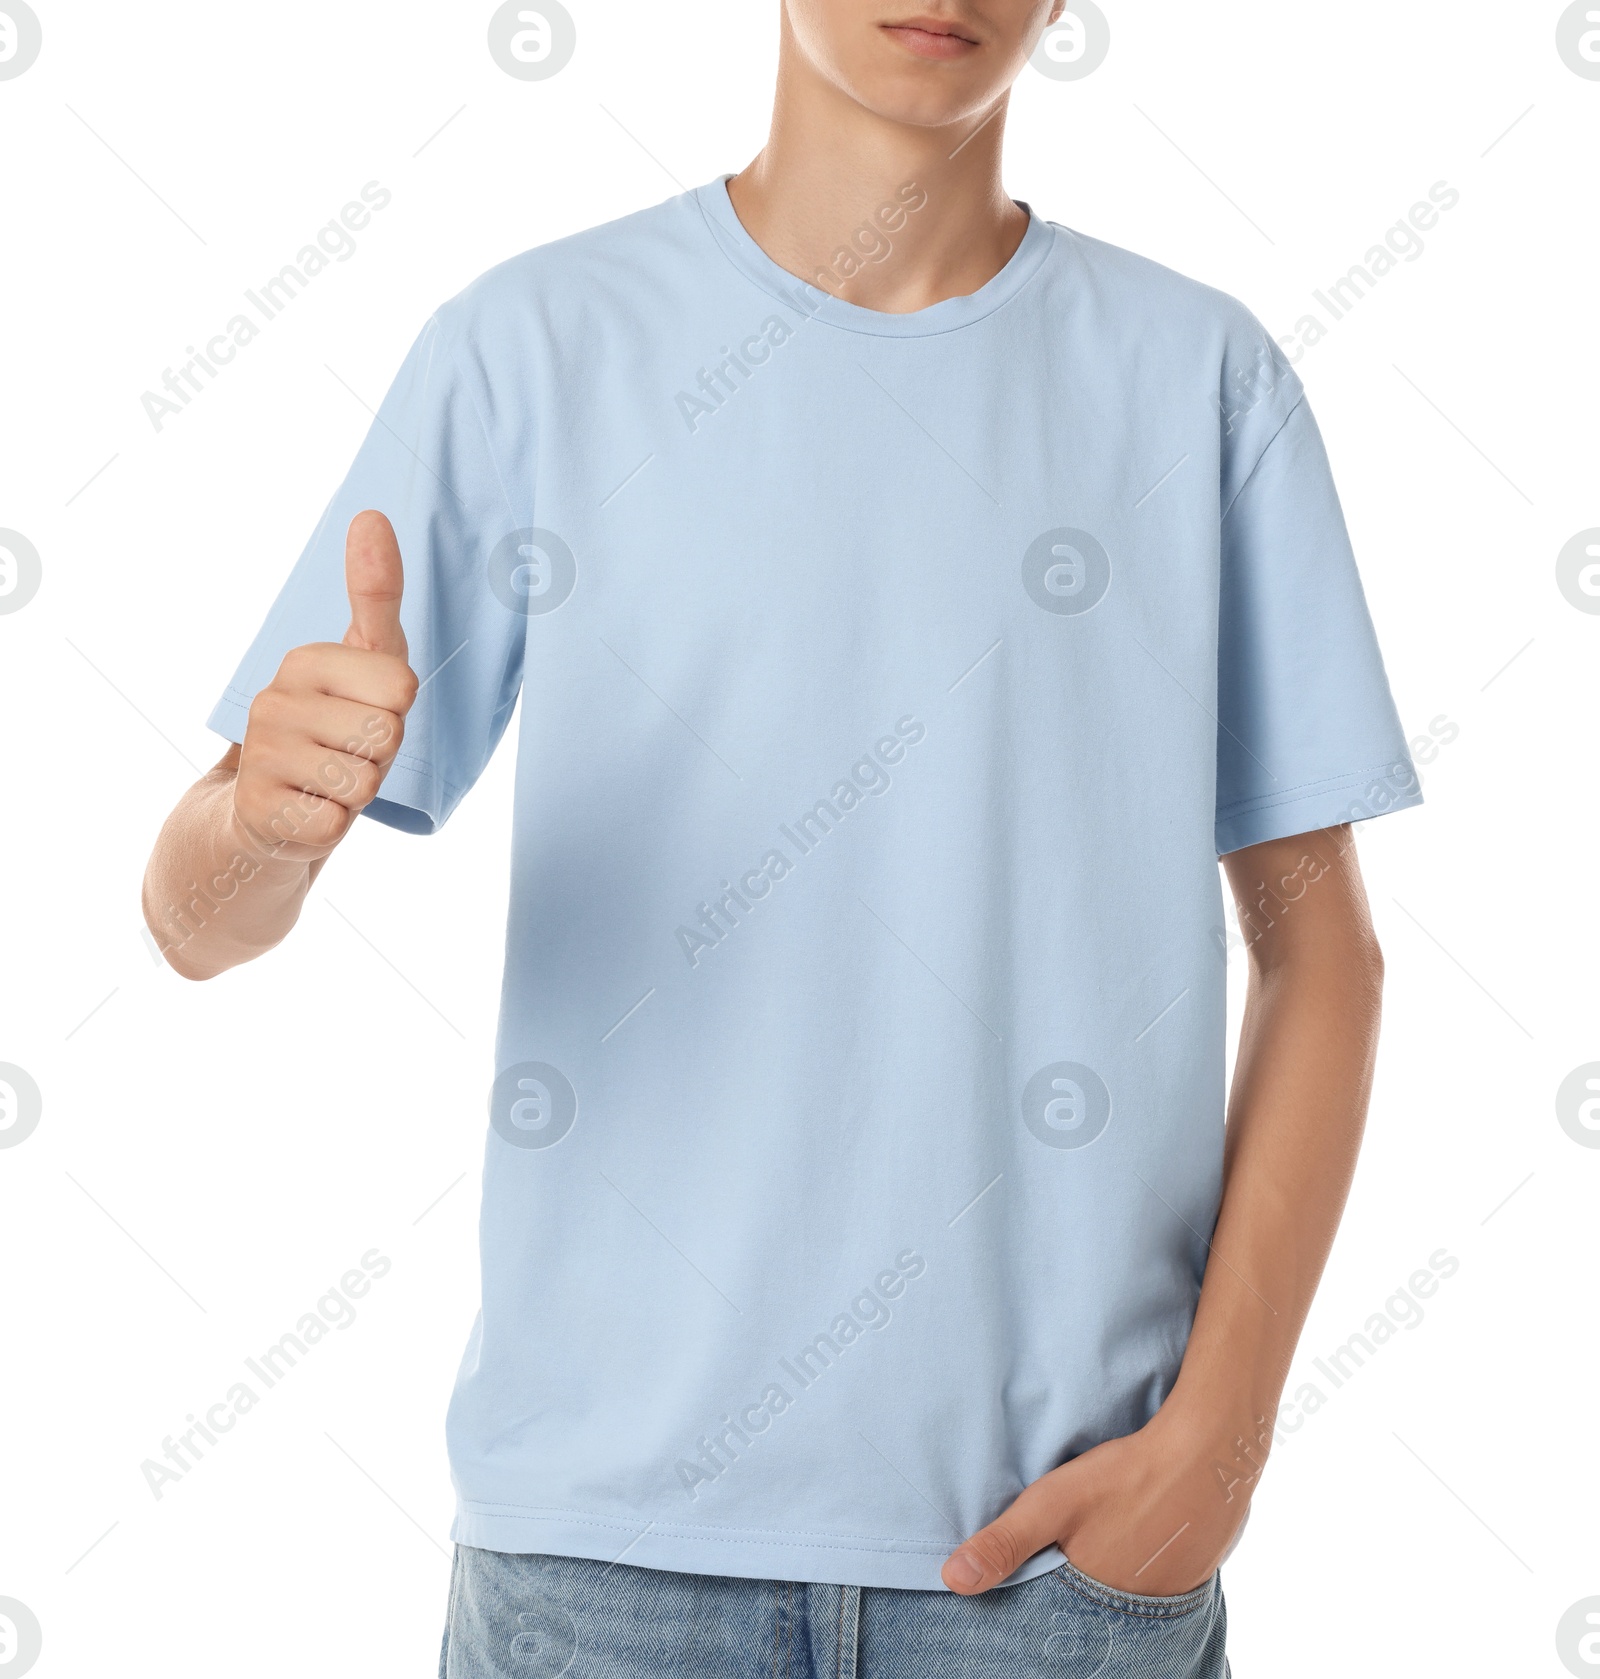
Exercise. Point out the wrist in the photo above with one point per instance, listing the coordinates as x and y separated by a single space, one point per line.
1226 1426
1225 1438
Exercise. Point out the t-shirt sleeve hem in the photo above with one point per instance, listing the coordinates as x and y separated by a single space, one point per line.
1304 810
414 798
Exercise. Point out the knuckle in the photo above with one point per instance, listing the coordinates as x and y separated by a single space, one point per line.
385 735
395 684
336 821
322 821
378 738
349 780
1000 1549
367 780
266 709
279 818
326 823
297 665
336 777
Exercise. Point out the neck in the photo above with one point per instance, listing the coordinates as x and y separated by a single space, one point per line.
887 215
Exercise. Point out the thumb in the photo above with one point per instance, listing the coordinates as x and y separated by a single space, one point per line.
996 1552
374 581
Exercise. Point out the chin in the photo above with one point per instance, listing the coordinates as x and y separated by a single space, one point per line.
921 95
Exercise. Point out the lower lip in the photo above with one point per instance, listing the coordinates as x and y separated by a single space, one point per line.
925 44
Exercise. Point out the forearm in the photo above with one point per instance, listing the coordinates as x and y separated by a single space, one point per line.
235 860
1295 1118
1155 1511
213 898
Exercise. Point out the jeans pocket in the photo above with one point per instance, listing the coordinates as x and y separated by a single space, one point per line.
1136 1603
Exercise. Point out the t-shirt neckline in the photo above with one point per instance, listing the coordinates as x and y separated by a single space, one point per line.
948 315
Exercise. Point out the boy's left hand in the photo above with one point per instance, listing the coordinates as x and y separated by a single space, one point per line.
1149 1513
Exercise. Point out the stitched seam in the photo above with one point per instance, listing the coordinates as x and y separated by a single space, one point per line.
1299 402
401 760
1302 790
887 1548
718 234
1312 786
787 1624
1105 1598
755 1536
421 766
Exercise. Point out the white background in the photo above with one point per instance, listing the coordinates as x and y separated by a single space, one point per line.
212 1158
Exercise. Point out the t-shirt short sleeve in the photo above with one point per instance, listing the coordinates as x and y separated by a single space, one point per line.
1308 736
429 464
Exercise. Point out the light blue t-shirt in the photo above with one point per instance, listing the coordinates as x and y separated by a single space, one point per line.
890 684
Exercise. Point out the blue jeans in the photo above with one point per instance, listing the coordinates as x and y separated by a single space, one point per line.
537 1617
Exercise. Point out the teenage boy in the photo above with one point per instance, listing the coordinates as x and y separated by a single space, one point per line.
910 598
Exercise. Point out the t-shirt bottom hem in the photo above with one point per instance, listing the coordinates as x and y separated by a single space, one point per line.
774 1556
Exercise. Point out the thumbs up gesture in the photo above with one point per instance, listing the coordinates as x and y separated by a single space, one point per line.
323 733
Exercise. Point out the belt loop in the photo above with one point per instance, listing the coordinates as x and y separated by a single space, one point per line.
849 1631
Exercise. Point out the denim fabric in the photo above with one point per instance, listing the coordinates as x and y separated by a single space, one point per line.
540 1617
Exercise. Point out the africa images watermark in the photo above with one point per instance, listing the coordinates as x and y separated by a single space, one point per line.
21 1637
1380 794
21 1104
184 921
532 40
20 39
334 1310
20 571
1075 45
335 242
868 244
1402 1310
1403 242
870 1309
869 776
